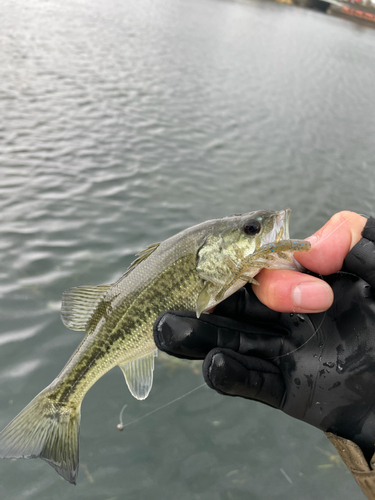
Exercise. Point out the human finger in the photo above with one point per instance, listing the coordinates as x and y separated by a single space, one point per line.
291 291
331 243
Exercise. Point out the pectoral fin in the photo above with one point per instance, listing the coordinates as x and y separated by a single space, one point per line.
203 300
139 375
79 303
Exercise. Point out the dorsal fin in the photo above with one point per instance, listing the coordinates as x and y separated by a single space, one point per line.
79 303
141 256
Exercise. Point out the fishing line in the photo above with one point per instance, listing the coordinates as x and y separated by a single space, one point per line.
121 425
343 222
325 312
306 341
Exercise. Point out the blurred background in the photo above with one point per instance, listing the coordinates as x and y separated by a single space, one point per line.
121 123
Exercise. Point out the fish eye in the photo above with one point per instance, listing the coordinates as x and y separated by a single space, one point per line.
252 227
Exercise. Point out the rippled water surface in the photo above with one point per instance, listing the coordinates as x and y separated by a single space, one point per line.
121 123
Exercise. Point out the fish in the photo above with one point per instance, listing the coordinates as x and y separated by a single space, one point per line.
193 270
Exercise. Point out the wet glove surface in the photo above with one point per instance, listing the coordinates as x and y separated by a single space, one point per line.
319 368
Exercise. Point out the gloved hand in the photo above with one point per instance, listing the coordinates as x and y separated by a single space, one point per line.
319 368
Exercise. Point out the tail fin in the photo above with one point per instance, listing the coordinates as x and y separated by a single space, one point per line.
48 430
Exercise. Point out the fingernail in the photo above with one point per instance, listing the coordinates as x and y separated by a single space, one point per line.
312 297
312 239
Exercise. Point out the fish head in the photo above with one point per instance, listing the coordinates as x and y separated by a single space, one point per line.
238 247
247 233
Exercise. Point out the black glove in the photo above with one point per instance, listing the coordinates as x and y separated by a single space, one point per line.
319 368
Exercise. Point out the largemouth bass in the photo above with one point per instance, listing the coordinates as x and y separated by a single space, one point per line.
191 271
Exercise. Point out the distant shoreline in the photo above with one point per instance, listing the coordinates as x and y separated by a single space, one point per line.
359 10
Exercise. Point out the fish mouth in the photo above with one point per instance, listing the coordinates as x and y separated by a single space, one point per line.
280 230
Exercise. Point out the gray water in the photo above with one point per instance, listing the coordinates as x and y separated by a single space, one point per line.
121 123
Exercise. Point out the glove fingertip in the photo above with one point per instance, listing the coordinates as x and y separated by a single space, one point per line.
176 333
162 332
214 370
233 374
169 336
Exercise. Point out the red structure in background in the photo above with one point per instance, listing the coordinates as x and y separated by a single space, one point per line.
362 14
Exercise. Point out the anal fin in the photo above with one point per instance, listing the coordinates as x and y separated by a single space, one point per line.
139 374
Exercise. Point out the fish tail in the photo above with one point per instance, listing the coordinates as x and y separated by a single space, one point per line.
46 429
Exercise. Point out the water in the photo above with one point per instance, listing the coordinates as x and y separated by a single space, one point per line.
122 123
